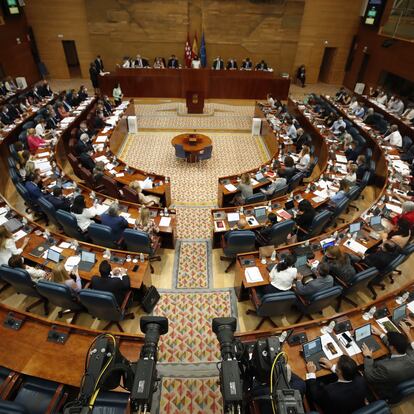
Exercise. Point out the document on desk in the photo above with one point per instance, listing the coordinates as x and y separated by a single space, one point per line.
318 200
410 306
233 217
71 262
146 184
121 174
393 208
18 235
125 215
165 221
355 246
230 187
100 209
102 158
102 138
327 339
253 275
64 245
351 350
341 158
387 325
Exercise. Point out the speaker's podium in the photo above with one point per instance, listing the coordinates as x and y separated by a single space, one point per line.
195 102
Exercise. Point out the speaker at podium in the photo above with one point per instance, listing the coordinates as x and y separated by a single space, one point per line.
195 102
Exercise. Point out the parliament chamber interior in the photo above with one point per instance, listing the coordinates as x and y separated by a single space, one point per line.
206 206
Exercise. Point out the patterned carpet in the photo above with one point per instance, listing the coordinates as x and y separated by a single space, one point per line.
193 183
190 395
193 223
190 338
192 267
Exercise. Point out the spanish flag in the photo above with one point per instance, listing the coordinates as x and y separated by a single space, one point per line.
195 46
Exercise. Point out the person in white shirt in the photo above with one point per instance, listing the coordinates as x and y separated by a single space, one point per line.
351 173
270 100
394 137
353 104
41 129
17 262
292 132
83 215
382 98
117 94
281 276
396 107
304 159
196 63
126 63
8 246
409 113
337 124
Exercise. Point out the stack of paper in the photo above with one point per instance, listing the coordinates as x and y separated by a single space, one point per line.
146 184
395 209
355 246
253 275
351 350
71 262
165 221
230 187
101 138
100 209
233 217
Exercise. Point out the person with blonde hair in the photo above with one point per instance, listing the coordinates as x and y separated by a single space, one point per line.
351 173
146 224
304 159
70 279
146 200
34 142
341 194
340 263
246 189
8 246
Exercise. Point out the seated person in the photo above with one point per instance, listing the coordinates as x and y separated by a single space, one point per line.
32 186
304 159
218 63
63 113
383 256
385 374
396 106
16 262
5 117
173 62
83 129
82 214
196 62
382 98
281 276
158 63
304 219
291 130
361 167
401 234
241 225
262 65
231 64
146 200
109 281
351 176
263 235
40 129
116 222
70 279
394 137
246 189
8 245
126 63
407 213
84 144
340 263
86 160
302 138
341 194
58 200
323 280
276 184
337 124
340 94
359 110
408 114
288 171
247 64
146 224
33 141
344 394
141 62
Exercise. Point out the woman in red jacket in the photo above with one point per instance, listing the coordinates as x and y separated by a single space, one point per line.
33 141
407 213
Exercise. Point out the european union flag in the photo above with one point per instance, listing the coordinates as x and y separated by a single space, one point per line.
203 52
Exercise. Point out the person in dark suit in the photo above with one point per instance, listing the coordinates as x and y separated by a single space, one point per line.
83 129
82 93
345 394
289 168
263 235
231 64
141 62
57 199
83 145
247 64
218 64
99 65
352 152
94 76
5 117
361 167
384 255
116 222
323 280
32 187
87 161
173 63
45 89
107 105
385 374
108 283
304 219
51 122
262 65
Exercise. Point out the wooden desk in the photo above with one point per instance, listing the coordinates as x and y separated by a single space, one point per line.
28 351
214 84
193 148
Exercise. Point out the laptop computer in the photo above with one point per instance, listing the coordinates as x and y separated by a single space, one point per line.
327 243
375 223
260 177
261 214
312 351
399 314
303 251
87 261
290 207
54 256
355 228
233 218
302 266
363 335
13 225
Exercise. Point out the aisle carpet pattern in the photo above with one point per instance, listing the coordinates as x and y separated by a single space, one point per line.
190 395
193 223
190 338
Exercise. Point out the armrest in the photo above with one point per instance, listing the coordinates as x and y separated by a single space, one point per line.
87 285
302 229
302 299
57 401
254 297
223 241
341 282
126 300
10 384
361 266
156 243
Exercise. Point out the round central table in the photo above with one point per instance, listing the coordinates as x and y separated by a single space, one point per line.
193 144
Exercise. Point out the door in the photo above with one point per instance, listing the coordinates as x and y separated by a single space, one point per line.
363 68
71 54
326 65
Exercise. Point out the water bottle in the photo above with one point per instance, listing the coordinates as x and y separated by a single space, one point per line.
92 195
107 254
128 258
167 180
282 337
403 298
372 312
165 211
273 256
241 210
269 206
141 257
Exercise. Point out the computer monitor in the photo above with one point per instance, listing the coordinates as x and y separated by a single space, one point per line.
375 220
355 227
289 205
327 243
87 256
363 332
260 212
53 255
259 176
312 347
399 313
301 261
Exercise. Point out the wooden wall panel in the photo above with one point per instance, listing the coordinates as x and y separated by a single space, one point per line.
50 18
16 58
332 21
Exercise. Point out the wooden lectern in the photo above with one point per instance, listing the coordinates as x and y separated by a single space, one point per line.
195 102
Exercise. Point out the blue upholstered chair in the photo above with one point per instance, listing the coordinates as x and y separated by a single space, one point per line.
60 295
317 302
295 181
110 402
21 281
320 221
279 192
103 305
206 154
28 125
48 210
280 231
255 198
270 304
101 235
70 225
179 152
240 241
376 407
339 209
403 390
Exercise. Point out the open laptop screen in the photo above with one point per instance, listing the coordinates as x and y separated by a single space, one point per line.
260 211
87 257
375 220
312 347
354 227
362 332
399 313
53 255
